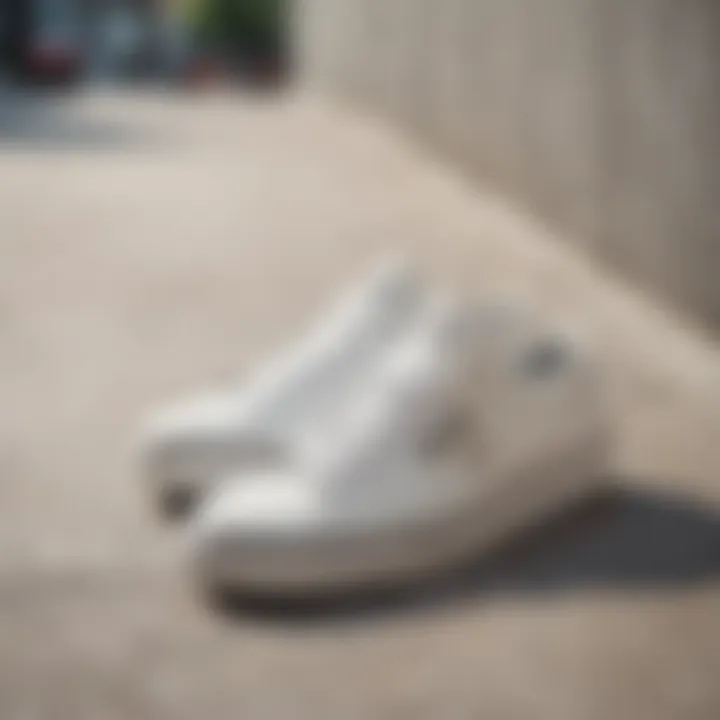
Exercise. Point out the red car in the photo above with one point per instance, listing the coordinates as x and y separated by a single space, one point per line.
54 62
55 53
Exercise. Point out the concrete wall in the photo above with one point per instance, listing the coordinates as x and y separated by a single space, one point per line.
603 116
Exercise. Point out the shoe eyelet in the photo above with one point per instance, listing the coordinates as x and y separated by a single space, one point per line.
447 434
545 360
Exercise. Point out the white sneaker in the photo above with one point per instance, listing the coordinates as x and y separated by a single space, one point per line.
472 431
187 447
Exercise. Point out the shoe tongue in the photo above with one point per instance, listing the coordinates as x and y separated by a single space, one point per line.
369 313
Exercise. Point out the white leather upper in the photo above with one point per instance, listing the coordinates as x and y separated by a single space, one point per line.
294 397
443 417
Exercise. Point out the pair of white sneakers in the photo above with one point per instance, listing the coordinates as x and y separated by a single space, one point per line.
406 432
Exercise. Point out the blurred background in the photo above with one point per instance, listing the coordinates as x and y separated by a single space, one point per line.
64 41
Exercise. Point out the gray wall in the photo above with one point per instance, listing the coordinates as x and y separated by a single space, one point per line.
603 116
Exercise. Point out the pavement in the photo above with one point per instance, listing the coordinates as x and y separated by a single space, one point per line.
152 243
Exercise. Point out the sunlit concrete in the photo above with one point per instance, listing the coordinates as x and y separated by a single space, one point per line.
153 243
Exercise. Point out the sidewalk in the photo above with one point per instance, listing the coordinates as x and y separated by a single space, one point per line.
151 244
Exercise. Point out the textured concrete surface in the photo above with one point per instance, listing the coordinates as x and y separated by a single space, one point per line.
151 244
600 115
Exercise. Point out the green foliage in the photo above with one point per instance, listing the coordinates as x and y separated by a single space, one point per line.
252 25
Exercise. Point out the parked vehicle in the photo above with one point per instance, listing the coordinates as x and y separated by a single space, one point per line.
55 51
